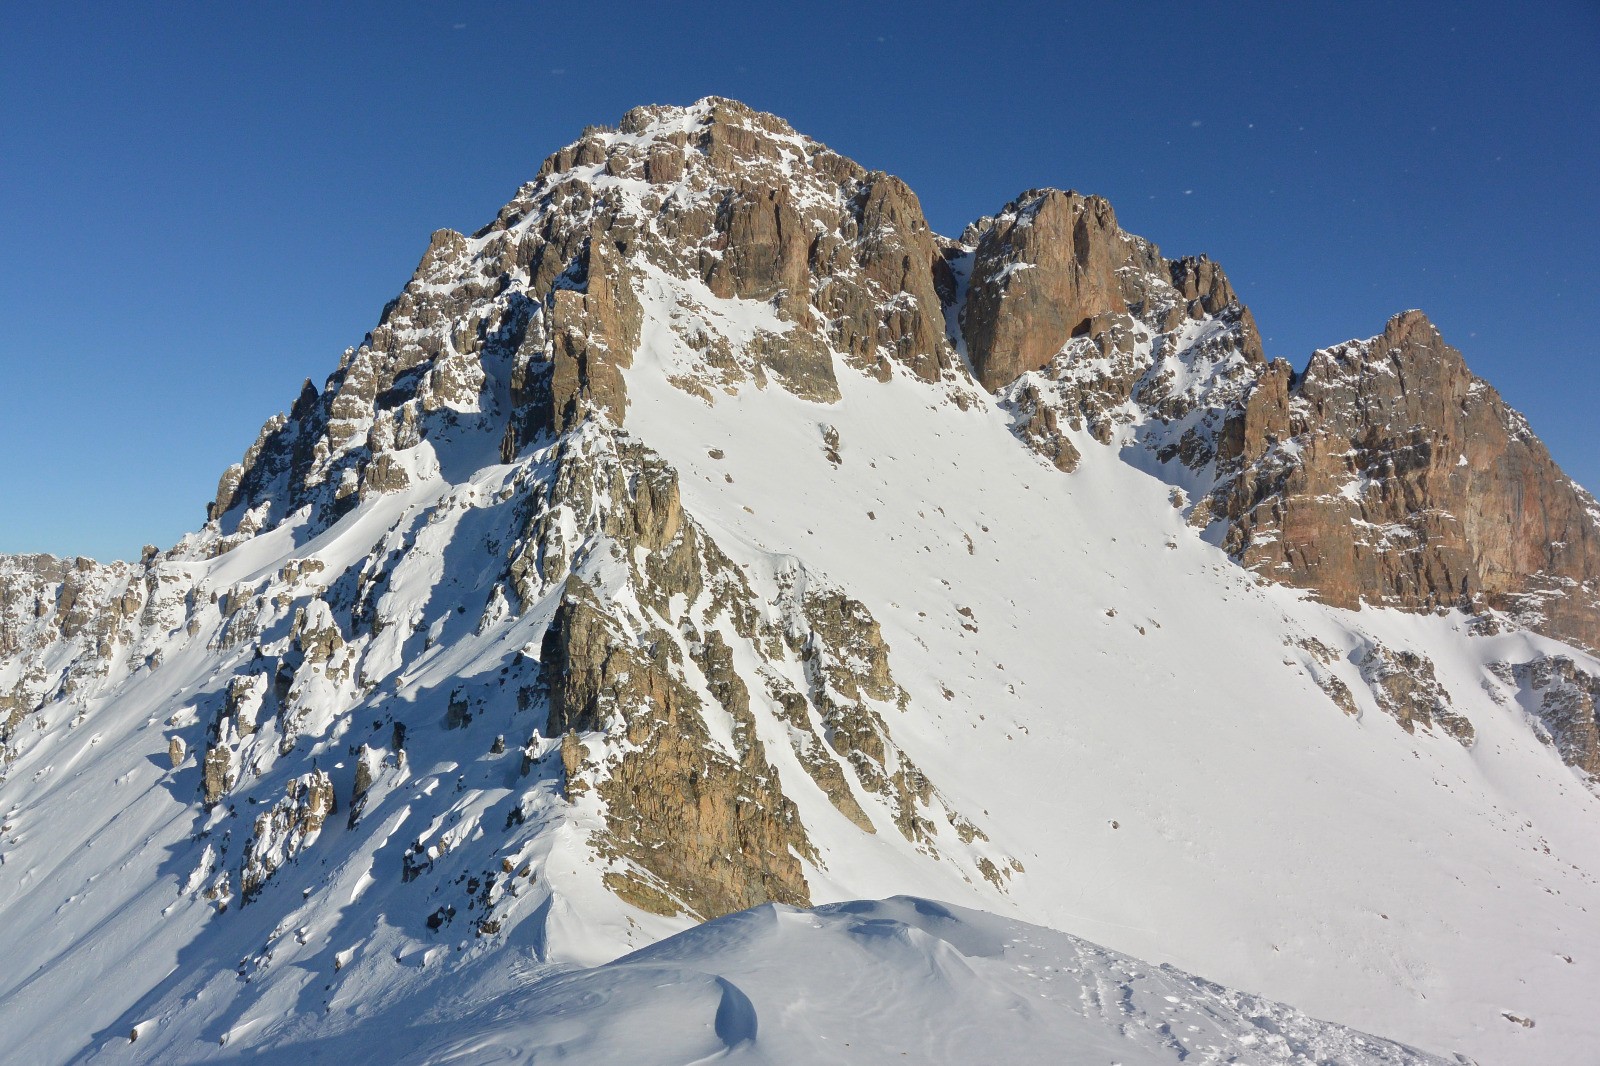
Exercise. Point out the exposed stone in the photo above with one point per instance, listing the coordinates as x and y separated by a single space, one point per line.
1042 270
368 761
219 772
1564 699
315 632
594 332
731 836
1322 660
1404 685
245 694
1389 474
281 833
812 752
458 715
847 669
572 754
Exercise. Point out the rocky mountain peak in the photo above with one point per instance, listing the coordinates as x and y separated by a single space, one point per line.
528 326
652 143
1411 327
525 327
706 530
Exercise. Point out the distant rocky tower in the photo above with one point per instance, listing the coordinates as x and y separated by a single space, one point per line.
1387 473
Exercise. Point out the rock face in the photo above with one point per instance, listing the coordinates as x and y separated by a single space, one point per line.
1042 270
1386 473
1110 340
732 839
1564 698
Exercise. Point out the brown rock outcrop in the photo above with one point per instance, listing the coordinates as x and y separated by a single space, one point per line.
1042 270
713 832
1387 473
1405 686
1565 699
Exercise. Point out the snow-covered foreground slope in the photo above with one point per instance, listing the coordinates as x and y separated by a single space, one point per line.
901 980
593 597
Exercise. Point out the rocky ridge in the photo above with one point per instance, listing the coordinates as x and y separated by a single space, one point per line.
1384 473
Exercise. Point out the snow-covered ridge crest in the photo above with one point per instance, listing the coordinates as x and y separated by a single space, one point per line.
953 986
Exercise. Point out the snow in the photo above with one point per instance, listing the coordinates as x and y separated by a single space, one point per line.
900 979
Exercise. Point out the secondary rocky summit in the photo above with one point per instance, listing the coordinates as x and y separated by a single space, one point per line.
510 607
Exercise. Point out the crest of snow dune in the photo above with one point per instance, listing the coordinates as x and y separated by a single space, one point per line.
881 981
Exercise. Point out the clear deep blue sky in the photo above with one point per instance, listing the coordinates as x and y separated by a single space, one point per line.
201 205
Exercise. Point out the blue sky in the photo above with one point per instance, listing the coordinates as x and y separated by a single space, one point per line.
202 205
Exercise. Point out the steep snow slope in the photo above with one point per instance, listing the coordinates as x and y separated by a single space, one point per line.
1133 718
648 562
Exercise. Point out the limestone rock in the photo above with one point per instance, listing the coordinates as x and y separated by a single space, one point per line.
1405 686
1387 473
1565 700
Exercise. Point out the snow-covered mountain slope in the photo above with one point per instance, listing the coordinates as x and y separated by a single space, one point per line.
659 555
905 979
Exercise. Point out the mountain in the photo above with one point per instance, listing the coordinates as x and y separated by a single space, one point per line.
706 532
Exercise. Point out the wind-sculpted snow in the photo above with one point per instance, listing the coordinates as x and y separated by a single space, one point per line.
657 556
903 979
